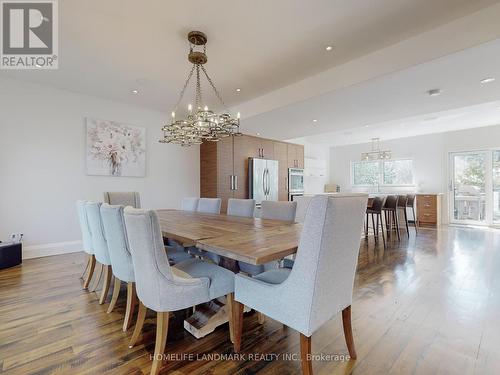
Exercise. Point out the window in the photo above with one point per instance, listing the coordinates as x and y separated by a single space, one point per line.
365 173
397 172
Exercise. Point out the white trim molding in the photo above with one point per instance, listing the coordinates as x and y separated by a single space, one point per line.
45 250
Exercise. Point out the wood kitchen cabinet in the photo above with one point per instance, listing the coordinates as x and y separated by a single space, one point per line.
220 161
295 155
429 209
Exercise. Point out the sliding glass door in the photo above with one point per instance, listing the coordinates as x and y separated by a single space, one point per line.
475 187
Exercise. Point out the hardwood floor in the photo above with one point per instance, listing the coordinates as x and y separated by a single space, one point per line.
428 305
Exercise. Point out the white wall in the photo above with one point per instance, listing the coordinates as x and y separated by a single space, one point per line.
42 164
430 154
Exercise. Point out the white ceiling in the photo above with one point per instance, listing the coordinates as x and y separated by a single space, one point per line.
107 48
396 104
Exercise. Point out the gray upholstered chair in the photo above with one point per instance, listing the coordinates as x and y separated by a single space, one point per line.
321 282
87 243
284 211
302 205
93 210
209 205
123 198
163 288
189 204
121 259
240 207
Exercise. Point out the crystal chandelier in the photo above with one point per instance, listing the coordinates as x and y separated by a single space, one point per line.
199 123
376 153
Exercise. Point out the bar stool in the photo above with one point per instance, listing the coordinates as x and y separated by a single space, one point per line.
402 201
410 202
390 209
375 210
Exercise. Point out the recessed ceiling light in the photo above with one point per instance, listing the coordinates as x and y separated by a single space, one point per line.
434 92
257 133
315 120
135 91
329 48
488 80
367 126
238 90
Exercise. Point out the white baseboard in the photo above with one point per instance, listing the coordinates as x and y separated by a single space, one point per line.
45 250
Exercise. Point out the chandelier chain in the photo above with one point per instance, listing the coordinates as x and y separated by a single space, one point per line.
219 96
199 97
184 89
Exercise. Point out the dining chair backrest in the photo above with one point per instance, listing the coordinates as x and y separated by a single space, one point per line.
391 202
377 204
410 200
158 288
273 210
123 198
189 204
240 207
101 253
402 200
301 210
114 229
323 274
209 205
84 227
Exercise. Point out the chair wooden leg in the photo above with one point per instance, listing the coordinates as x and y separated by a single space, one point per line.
406 222
366 227
305 354
131 302
415 220
381 227
98 279
141 316
229 304
237 311
105 284
90 273
87 263
396 220
116 293
349 339
161 340
375 236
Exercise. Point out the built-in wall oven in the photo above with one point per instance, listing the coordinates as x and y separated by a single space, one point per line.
295 182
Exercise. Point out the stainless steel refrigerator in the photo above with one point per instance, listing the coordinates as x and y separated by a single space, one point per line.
263 179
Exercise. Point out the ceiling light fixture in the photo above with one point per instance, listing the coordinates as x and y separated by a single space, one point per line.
488 80
135 91
238 90
376 153
199 123
314 120
434 92
329 48
257 133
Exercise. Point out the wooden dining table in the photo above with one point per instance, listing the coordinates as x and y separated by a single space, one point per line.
233 238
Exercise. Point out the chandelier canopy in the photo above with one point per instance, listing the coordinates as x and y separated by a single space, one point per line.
199 123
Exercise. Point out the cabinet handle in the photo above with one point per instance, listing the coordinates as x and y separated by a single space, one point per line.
262 151
235 183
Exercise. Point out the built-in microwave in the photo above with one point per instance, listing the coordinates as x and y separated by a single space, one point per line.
295 181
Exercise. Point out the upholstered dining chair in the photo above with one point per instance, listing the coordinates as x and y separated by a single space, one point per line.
189 204
123 198
302 205
121 259
93 210
163 288
284 211
320 284
87 243
240 207
209 205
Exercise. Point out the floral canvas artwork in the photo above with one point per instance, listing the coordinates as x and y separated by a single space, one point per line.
115 149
